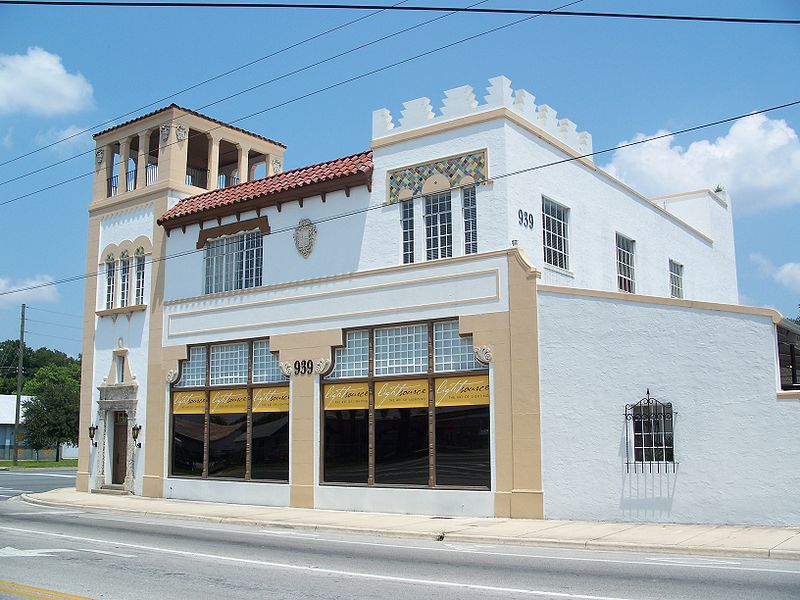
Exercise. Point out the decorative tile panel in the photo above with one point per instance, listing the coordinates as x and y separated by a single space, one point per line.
408 181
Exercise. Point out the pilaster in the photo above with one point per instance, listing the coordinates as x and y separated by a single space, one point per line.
141 160
244 152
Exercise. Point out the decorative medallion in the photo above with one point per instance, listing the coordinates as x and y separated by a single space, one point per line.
172 376
286 368
181 131
407 182
99 154
305 234
165 132
483 354
276 167
323 365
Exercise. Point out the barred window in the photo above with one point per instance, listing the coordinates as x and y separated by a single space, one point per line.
353 359
111 281
650 435
124 278
470 220
266 367
407 222
139 276
438 226
675 279
789 356
625 272
229 364
555 234
193 370
452 352
234 262
400 350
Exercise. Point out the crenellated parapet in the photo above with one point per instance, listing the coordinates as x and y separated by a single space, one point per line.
461 102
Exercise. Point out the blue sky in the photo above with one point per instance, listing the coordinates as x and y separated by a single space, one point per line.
67 69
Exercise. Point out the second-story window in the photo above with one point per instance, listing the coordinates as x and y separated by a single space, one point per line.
470 220
625 270
124 278
438 226
111 281
139 293
675 279
407 222
233 263
554 233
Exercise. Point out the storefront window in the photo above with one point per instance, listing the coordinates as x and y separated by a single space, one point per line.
442 392
231 408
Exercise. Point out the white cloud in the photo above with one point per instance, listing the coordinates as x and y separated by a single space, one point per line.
787 274
8 139
41 294
757 161
37 82
72 139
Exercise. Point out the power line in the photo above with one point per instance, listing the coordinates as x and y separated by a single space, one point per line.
58 337
259 85
54 312
493 178
315 92
55 324
311 6
182 91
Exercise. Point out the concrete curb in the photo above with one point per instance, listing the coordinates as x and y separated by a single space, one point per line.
444 535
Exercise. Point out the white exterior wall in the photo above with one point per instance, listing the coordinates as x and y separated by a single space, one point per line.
735 442
126 331
598 209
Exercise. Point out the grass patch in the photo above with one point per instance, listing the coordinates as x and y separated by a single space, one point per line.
40 464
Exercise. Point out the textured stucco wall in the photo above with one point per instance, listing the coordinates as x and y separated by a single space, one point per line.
736 444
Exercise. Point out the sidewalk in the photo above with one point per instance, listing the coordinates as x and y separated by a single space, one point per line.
707 540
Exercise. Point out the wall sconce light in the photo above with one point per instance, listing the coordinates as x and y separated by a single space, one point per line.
92 431
135 432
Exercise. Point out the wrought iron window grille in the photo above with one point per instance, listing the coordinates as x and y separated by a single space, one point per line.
650 436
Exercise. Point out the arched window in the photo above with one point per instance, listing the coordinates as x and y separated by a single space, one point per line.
139 293
111 280
124 278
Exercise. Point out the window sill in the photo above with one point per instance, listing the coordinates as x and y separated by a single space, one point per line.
558 270
122 310
789 395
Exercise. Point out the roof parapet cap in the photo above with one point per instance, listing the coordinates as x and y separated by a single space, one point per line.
461 102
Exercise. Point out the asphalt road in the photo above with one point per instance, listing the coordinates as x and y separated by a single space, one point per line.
122 556
14 483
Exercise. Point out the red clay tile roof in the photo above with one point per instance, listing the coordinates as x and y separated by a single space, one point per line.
339 168
191 112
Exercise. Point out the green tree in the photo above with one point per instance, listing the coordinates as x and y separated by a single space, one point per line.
51 415
32 361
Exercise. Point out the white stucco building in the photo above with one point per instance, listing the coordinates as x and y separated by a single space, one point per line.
470 317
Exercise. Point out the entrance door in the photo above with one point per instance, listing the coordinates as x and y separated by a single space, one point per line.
120 447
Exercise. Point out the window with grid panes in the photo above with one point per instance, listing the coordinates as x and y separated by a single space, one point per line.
407 223
555 234
193 371
438 226
675 279
470 220
139 276
652 432
400 350
452 352
111 282
625 270
124 278
266 366
229 364
233 263
353 359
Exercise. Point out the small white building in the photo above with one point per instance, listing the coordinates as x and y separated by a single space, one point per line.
469 318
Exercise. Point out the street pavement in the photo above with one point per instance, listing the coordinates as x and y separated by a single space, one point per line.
16 482
73 553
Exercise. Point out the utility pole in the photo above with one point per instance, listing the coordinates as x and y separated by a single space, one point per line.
19 381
